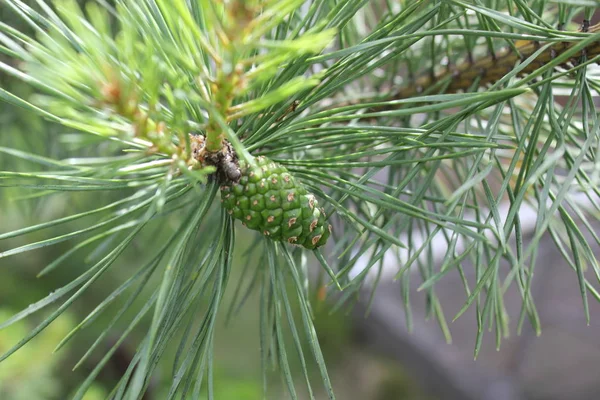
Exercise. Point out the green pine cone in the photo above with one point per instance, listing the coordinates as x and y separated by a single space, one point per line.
268 199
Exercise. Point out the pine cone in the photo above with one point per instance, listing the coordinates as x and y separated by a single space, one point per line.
268 199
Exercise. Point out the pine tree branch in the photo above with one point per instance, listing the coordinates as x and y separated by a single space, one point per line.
493 67
490 69
146 74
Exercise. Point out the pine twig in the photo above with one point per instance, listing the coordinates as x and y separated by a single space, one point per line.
493 67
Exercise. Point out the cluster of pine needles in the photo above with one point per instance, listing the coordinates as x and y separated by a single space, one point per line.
419 174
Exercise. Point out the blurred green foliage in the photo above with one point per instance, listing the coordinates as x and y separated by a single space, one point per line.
20 378
35 373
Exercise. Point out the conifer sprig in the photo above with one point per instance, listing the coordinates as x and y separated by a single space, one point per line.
433 182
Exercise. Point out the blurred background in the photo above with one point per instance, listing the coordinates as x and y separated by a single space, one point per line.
369 351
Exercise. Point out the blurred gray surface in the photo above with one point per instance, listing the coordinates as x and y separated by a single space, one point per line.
562 363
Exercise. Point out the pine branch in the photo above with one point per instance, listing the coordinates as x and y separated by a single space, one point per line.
494 67
163 85
491 69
